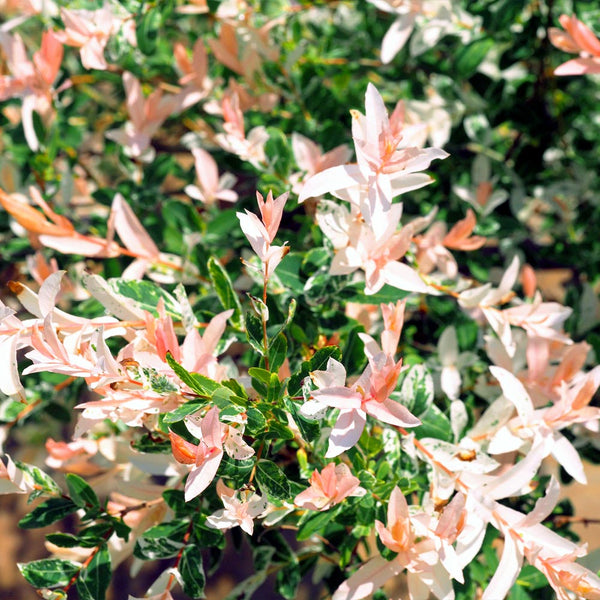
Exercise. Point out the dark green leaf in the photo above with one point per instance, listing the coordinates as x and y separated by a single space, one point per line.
49 572
309 429
287 273
227 295
254 333
81 492
312 523
272 480
152 444
63 540
207 537
316 363
469 57
277 352
288 579
48 512
203 386
191 571
161 541
94 579
179 413
257 423
147 30
236 470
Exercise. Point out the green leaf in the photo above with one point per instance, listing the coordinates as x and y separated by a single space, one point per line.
288 579
277 352
254 333
417 390
287 274
469 57
146 30
312 523
355 292
227 295
278 430
257 423
175 500
435 424
161 541
81 492
191 571
63 540
49 572
42 481
207 537
48 512
236 470
316 363
150 443
531 578
146 295
272 480
308 429
94 579
203 386
178 414
274 389
273 333
261 378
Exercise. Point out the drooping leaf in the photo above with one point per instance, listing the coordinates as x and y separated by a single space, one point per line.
161 541
94 579
48 512
43 482
49 572
192 572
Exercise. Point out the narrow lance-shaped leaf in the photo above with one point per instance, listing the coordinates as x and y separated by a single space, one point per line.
225 292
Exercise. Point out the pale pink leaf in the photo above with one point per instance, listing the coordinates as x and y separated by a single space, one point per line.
131 231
